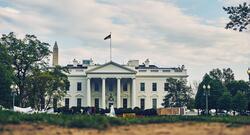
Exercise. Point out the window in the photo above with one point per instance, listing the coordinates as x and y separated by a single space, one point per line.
166 86
67 86
154 86
154 70
79 102
96 102
142 70
125 87
165 70
67 102
125 103
110 87
142 85
54 103
142 103
86 62
154 103
79 86
96 86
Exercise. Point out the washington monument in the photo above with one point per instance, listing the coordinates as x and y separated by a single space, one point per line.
55 55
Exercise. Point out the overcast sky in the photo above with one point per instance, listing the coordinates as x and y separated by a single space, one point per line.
168 32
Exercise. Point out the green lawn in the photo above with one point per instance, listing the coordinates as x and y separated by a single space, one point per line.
101 122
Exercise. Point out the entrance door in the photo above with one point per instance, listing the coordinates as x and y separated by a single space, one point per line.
125 103
96 102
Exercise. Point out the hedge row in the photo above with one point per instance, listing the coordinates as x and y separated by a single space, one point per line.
118 111
102 122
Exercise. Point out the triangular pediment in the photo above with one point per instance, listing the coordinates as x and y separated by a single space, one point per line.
111 67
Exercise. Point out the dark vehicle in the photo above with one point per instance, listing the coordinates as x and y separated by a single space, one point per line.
247 113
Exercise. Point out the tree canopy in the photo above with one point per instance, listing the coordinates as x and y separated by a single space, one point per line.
179 94
47 85
6 76
238 86
225 75
239 16
226 93
225 101
26 54
239 102
27 60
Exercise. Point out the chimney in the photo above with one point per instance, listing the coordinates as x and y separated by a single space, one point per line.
146 63
75 62
133 63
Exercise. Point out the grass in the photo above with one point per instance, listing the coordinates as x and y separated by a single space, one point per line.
102 122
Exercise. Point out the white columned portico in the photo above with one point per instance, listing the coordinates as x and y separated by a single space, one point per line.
118 105
133 93
88 93
103 93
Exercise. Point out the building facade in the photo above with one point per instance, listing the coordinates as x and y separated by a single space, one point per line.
124 86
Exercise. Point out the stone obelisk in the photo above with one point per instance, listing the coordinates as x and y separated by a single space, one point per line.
55 55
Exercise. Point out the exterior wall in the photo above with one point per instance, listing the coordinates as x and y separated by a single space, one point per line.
98 94
149 94
73 94
147 76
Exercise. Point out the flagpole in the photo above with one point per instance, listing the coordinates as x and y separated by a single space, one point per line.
110 51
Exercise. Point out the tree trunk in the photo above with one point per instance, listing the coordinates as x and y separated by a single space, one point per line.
47 104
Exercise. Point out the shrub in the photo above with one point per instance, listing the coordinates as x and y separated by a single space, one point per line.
149 112
101 122
103 111
76 110
63 110
138 111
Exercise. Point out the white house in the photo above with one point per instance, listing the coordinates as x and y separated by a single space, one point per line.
128 86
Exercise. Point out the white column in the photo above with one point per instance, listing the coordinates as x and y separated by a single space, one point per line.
103 94
88 93
133 93
118 104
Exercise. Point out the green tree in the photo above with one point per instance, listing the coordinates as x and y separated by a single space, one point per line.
239 16
216 74
39 83
6 74
178 95
191 104
26 54
238 86
225 75
239 102
46 86
216 91
199 97
225 102
228 75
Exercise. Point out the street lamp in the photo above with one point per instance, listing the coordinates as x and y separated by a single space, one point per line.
14 88
248 72
207 93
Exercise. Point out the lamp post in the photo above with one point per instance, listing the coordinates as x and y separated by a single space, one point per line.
207 93
14 88
248 72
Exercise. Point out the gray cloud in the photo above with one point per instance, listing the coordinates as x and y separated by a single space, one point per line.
140 29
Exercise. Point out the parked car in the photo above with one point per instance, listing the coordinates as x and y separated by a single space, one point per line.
246 113
222 113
